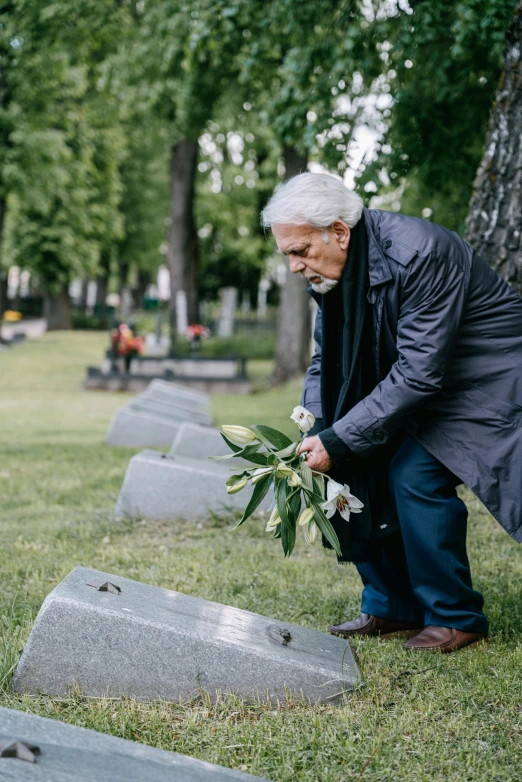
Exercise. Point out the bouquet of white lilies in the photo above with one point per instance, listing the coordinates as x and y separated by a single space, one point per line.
299 492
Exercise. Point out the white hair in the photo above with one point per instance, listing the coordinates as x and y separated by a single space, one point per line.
317 200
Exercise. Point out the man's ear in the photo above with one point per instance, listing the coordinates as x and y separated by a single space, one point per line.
342 233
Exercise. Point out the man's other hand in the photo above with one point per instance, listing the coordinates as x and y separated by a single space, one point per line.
317 458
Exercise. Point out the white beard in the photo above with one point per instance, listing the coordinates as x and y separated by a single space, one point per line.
325 286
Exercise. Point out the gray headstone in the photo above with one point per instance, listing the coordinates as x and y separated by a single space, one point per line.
166 488
143 404
69 753
165 397
177 390
149 643
228 298
181 313
135 429
200 442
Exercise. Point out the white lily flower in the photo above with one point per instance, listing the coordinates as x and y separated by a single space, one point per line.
310 532
303 418
340 499
239 435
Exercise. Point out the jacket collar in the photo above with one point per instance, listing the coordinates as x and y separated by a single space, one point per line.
378 266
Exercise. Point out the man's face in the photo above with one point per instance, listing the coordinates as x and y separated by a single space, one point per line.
320 263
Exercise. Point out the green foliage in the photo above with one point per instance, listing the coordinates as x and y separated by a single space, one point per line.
440 64
65 144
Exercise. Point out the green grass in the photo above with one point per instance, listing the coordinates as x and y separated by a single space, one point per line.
420 717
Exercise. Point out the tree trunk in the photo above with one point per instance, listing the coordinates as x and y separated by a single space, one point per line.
293 343
57 310
494 221
142 283
83 295
182 242
102 289
3 272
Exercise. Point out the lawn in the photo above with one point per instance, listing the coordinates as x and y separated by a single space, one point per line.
420 717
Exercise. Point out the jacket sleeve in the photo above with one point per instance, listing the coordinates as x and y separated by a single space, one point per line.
311 396
432 303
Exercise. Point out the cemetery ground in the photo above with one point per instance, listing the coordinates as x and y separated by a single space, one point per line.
418 717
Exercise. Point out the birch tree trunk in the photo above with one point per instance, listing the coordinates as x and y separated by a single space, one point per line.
494 221
293 343
182 241
3 272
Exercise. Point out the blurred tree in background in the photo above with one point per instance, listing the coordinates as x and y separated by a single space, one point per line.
134 133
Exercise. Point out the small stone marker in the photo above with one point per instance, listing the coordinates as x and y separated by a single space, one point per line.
167 488
151 643
200 442
135 429
177 390
228 298
181 313
166 398
168 411
65 753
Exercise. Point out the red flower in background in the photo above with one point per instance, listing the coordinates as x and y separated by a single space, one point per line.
196 332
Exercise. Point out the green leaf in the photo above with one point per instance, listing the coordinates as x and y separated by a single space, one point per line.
259 493
294 506
326 528
288 539
249 453
281 492
319 482
307 476
288 451
271 436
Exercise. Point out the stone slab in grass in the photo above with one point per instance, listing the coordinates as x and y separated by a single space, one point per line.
168 411
161 389
167 488
66 753
135 429
148 643
200 442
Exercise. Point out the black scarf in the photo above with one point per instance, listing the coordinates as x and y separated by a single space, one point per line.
348 374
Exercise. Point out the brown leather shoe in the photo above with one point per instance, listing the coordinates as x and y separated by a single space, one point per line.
442 639
365 624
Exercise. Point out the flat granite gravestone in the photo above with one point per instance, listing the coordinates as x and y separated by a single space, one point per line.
167 488
149 643
68 753
178 390
168 411
200 442
166 398
135 429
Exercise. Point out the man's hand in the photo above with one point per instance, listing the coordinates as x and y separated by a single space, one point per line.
317 458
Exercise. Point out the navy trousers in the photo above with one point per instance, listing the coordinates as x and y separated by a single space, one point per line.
424 577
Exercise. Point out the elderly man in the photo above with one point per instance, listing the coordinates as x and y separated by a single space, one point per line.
416 385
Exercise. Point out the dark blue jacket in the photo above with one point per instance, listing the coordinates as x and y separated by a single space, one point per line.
448 352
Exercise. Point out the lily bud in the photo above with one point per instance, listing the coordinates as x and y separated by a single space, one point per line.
239 435
261 473
283 470
237 486
306 516
273 521
295 480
